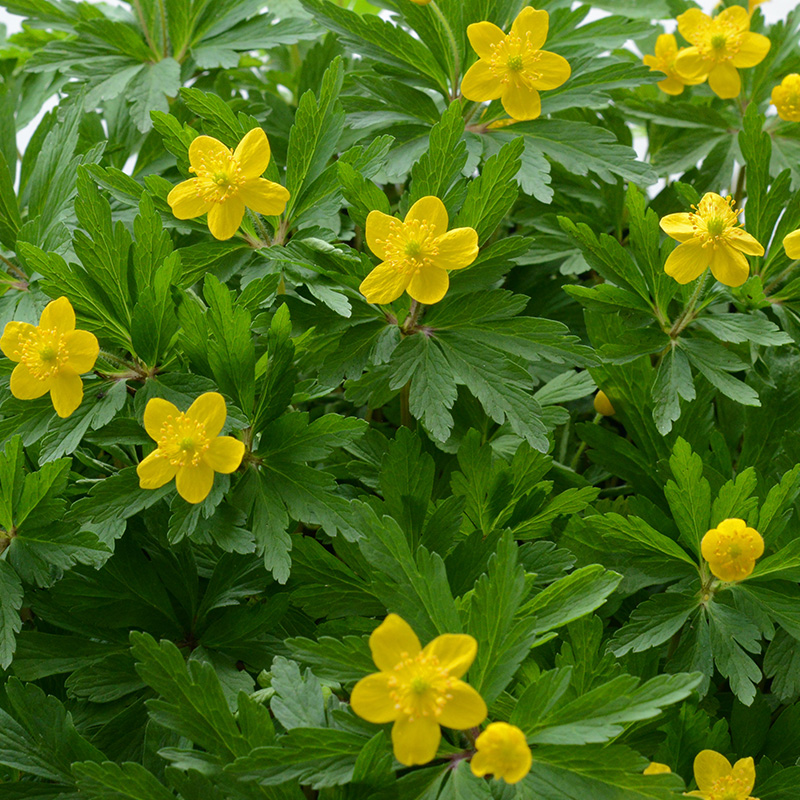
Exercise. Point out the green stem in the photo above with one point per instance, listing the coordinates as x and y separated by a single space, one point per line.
14 268
456 74
148 38
163 27
410 321
260 227
577 457
686 317
738 193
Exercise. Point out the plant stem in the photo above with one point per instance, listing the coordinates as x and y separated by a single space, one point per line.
456 73
739 191
14 268
163 27
577 457
148 38
686 317
260 227
411 319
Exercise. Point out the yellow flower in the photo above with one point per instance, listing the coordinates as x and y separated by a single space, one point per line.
718 780
786 98
664 61
752 5
418 689
50 357
416 253
190 448
791 244
513 68
502 752
654 768
710 237
227 182
731 550
602 405
721 45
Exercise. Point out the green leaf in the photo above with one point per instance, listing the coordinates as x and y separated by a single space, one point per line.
571 597
150 89
653 622
298 700
673 381
109 781
505 640
732 634
689 495
191 698
10 604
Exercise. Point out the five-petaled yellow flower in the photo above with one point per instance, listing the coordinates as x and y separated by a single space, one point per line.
791 244
710 237
228 181
416 253
656 768
190 448
786 98
50 357
664 61
731 549
502 751
418 690
721 46
513 68
718 780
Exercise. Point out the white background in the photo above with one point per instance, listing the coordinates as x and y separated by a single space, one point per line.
773 10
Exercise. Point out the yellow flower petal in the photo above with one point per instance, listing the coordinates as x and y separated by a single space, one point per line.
392 641
481 764
455 651
686 261
415 742
431 210
83 350
24 386
66 391
678 226
482 35
384 284
729 266
224 454
253 153
724 80
692 24
224 218
480 83
752 50
655 768
521 102
209 408
709 767
691 66
429 285
10 341
535 24
602 405
671 86
744 770
791 244
553 70
155 415
194 482
735 17
666 46
58 315
371 699
465 709
264 196
379 227
503 751
155 471
185 202
458 248
742 240
206 148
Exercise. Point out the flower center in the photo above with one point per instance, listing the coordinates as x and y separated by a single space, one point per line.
183 441
713 220
218 177
718 41
728 788
43 352
411 246
420 687
715 226
514 58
